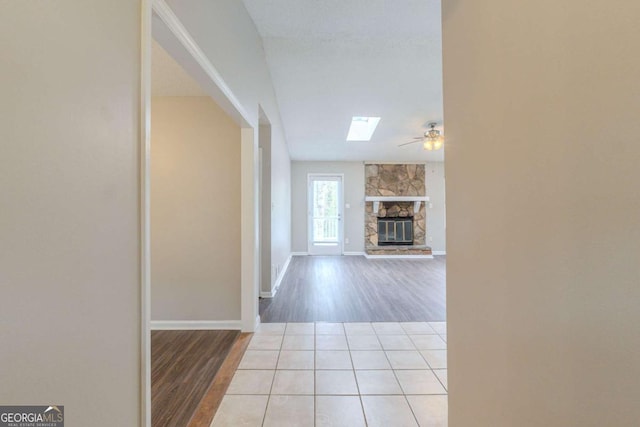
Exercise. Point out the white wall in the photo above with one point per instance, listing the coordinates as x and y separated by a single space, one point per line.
195 205
543 212
353 194
69 209
225 32
436 231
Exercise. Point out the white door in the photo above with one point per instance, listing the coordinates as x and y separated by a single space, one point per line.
325 215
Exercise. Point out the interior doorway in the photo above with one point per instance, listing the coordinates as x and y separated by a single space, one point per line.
163 26
325 214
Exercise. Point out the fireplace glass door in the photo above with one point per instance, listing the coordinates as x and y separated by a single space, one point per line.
395 231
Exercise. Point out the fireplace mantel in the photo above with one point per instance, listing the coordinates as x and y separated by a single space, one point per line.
417 200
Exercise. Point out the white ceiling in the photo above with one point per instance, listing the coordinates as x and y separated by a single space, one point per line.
334 59
168 78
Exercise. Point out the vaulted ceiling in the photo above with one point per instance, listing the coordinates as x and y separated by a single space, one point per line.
334 59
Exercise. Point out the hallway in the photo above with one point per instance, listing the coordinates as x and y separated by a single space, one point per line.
385 365
340 374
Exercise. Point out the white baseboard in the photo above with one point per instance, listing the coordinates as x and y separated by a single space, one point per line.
283 271
398 256
172 325
438 252
276 285
344 253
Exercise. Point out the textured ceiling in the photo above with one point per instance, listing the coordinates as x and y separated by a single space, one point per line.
168 78
331 60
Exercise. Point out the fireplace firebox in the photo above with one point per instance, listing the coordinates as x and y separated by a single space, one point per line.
395 231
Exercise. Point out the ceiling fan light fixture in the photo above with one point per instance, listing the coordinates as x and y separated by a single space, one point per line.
433 140
432 134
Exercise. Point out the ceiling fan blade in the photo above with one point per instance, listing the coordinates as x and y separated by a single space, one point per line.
407 143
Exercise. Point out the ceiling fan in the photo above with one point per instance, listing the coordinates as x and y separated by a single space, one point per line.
431 140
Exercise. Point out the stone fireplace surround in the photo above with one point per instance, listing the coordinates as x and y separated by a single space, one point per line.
396 190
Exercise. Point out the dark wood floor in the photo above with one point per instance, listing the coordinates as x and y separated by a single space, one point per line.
357 289
211 401
183 366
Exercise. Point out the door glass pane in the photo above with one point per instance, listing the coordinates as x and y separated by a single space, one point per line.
325 211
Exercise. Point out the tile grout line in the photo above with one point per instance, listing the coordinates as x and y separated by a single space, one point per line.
440 381
353 368
273 380
364 415
432 369
404 394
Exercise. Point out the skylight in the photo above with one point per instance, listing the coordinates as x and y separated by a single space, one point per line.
362 128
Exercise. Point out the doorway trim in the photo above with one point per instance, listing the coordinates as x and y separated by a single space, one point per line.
177 40
158 21
144 184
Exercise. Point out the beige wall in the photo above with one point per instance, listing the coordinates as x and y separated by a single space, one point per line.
227 35
543 212
69 211
195 204
436 230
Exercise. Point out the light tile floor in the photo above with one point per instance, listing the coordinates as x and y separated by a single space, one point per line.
340 374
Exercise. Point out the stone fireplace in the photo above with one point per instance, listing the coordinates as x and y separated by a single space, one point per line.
395 213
